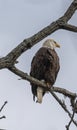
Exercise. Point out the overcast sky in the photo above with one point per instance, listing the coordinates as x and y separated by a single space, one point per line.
20 19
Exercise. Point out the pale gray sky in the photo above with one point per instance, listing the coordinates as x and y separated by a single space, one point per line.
20 19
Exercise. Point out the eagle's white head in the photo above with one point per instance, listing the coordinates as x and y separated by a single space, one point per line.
50 43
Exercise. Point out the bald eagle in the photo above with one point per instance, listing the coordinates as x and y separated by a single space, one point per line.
44 67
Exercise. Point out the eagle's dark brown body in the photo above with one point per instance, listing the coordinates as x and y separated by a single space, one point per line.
44 66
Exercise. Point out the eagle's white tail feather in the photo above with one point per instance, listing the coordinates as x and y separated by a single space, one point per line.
39 94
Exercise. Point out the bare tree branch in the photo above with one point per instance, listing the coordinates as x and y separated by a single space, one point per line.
2 109
51 90
3 106
64 107
42 84
64 92
2 117
70 27
71 120
70 11
10 59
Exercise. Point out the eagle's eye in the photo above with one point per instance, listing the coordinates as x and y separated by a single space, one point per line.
54 42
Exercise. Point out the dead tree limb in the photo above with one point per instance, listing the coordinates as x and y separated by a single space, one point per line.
60 23
25 76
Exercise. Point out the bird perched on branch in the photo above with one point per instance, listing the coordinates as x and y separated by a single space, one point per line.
44 67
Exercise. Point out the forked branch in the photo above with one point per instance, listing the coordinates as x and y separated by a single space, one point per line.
26 44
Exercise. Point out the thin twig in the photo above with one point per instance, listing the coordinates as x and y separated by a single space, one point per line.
2 117
63 106
67 126
3 106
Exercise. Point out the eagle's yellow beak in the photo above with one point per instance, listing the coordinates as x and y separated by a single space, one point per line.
57 45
